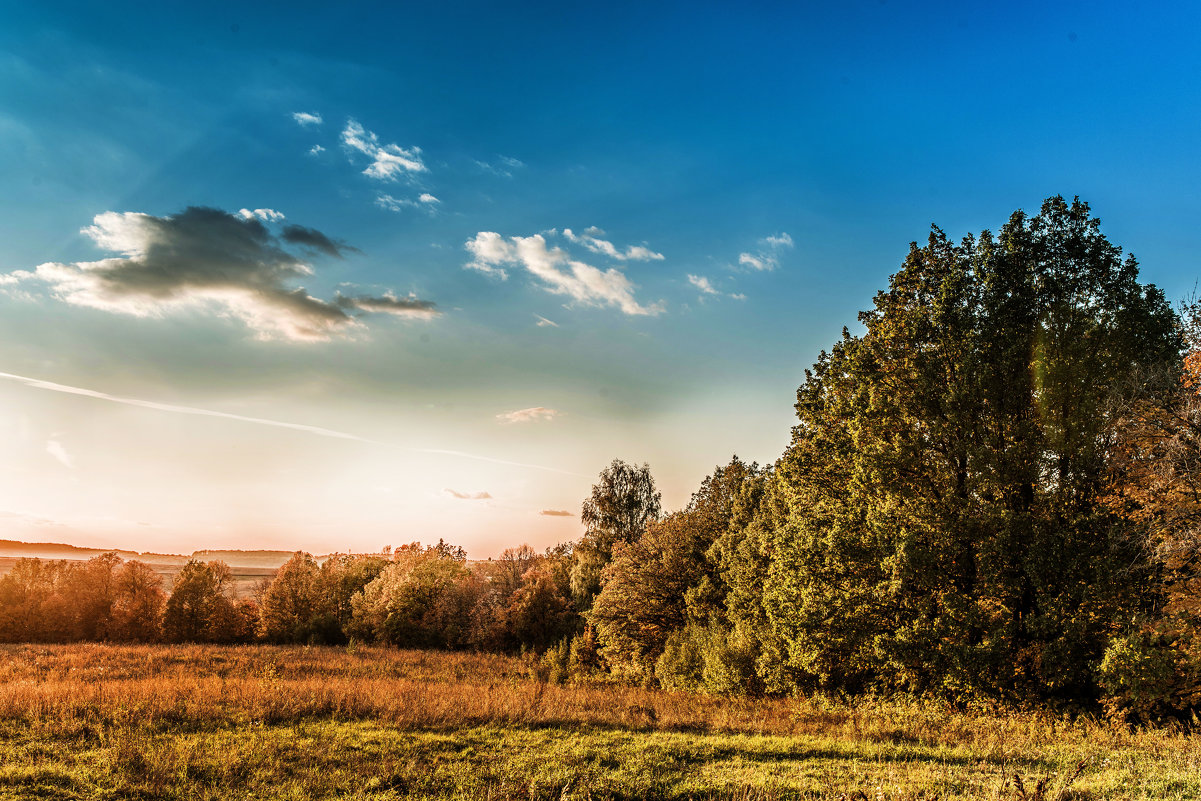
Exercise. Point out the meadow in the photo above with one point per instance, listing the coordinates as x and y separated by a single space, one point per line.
218 722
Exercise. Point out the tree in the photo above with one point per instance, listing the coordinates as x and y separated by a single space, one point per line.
422 599
138 608
290 606
199 609
942 527
671 573
623 502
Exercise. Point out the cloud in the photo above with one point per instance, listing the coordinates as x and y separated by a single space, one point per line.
315 150
204 258
387 161
305 119
424 201
703 284
390 304
768 256
504 166
467 496
543 322
56 449
528 415
50 386
558 272
556 513
266 215
591 240
315 240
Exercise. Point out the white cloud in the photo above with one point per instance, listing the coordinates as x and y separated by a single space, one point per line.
558 272
208 259
467 496
504 166
305 119
56 449
768 256
544 323
591 240
425 201
266 215
387 161
316 150
703 284
530 415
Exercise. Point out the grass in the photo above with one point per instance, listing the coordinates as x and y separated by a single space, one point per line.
148 722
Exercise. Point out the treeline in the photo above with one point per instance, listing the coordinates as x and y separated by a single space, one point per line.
416 597
993 490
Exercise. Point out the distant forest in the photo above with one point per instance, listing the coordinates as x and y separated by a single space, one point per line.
992 492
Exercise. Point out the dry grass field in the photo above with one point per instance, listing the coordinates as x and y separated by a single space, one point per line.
99 721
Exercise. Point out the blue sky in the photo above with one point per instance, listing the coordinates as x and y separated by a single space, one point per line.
687 202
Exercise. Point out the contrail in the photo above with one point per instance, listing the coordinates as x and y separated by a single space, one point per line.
168 407
263 421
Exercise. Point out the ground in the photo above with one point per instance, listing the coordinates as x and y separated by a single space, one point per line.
196 722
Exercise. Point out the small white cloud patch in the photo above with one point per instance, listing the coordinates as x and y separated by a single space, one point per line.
768 256
591 240
530 415
305 119
703 284
556 270
388 162
266 215
545 323
56 449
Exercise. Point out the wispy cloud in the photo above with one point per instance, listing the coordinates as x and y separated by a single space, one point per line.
424 201
703 284
467 496
316 150
504 166
205 258
388 162
390 304
305 119
767 257
544 323
590 239
56 449
51 386
530 415
556 270
556 513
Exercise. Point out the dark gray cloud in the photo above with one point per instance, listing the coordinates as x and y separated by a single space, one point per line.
313 239
209 258
390 304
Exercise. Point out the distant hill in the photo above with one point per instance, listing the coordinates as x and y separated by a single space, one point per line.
13 549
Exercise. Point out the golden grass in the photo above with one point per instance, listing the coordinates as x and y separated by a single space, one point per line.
151 709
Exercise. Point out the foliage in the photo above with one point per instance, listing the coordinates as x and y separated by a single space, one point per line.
621 506
943 527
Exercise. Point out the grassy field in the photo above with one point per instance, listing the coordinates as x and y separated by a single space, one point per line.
194 722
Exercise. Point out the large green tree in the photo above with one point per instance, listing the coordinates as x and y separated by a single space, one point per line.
942 525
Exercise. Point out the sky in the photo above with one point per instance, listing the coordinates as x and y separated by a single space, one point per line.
334 278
